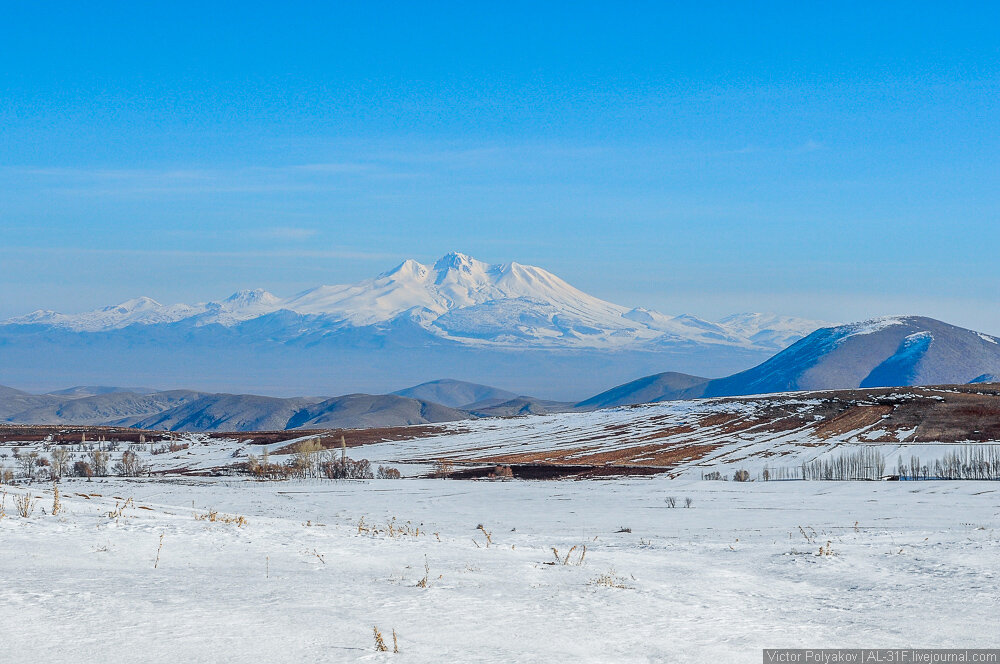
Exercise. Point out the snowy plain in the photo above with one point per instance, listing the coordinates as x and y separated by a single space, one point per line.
910 564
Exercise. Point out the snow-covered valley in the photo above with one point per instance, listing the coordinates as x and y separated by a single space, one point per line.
133 569
189 552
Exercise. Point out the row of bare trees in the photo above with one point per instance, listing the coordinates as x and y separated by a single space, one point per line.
966 462
312 460
969 462
867 463
62 462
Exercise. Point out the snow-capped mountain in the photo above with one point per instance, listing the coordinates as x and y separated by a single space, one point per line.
507 324
882 352
457 299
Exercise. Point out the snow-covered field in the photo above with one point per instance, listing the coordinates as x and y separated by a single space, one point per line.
910 564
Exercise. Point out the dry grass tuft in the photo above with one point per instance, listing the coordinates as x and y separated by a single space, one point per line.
119 511
422 583
160 548
215 517
392 528
379 641
56 505
25 505
611 580
566 560
380 645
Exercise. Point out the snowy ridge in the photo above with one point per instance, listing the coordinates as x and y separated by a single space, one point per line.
870 326
458 299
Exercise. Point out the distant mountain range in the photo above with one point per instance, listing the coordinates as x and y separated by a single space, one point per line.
188 410
882 352
503 323
458 299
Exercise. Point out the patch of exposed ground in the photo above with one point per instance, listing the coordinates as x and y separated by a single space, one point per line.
330 438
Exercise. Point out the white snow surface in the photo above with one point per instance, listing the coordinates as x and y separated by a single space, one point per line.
870 326
461 299
737 571
913 564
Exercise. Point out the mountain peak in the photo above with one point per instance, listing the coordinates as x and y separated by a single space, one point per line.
251 297
454 261
408 268
135 304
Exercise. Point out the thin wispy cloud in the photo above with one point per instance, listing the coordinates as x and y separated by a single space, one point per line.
186 181
345 254
287 233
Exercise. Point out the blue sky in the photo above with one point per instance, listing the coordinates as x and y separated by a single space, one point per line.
834 161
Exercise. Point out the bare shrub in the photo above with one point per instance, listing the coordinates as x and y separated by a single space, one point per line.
387 473
131 465
304 462
671 501
346 468
60 459
502 473
741 476
687 502
263 468
99 462
25 504
27 462
83 469
443 468
165 449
